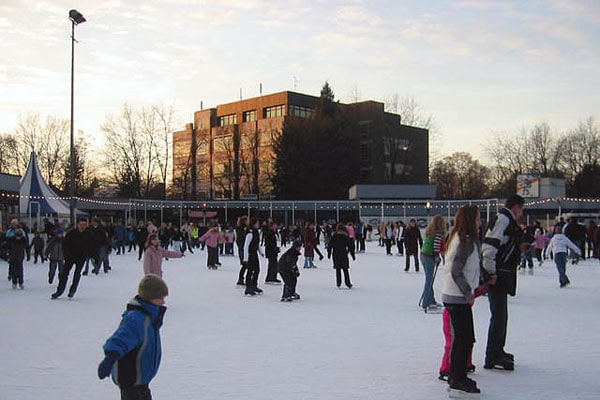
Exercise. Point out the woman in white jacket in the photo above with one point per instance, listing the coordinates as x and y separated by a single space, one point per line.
463 253
559 245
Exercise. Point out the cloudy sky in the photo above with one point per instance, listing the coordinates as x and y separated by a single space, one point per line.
478 67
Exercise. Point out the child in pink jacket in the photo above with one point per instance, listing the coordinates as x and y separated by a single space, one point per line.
212 238
154 254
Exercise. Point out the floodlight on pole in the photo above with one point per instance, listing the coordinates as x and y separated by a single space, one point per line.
76 18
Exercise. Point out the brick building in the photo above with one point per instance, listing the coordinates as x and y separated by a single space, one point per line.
231 147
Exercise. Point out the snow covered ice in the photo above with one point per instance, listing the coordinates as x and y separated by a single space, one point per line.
371 342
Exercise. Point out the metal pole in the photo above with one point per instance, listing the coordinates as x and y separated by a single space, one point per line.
72 145
226 216
316 213
337 212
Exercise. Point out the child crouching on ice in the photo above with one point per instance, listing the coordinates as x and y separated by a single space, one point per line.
133 352
289 271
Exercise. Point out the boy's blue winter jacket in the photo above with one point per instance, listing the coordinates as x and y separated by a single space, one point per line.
137 344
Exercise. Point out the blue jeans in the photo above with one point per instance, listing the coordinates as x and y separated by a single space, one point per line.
427 298
560 259
54 265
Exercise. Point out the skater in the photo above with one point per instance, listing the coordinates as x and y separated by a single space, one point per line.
18 246
101 244
154 255
340 245
430 257
310 243
412 241
527 236
240 238
251 260
577 234
141 236
55 253
38 248
212 238
461 278
559 246
449 337
271 252
501 251
288 269
133 352
77 247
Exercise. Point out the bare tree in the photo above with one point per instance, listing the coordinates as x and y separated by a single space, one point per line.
126 152
49 139
157 123
581 146
8 149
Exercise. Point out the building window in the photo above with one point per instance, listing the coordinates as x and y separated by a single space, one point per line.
275 111
393 146
225 120
248 116
301 112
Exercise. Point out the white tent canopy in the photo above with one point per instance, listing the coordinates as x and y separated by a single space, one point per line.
36 197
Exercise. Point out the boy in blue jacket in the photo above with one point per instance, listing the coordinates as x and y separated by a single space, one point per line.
133 352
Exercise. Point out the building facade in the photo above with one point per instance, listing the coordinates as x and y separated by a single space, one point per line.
227 152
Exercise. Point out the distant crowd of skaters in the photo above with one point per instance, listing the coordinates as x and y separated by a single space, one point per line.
87 248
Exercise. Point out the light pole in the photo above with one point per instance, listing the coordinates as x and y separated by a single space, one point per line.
76 19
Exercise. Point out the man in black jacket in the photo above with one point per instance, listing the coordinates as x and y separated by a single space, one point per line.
271 252
578 235
501 251
77 248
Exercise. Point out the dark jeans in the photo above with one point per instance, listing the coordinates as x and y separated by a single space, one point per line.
213 256
388 246
141 392
272 268
17 272
400 244
496 339
253 271
101 258
416 257
338 277
141 250
63 277
289 284
52 268
360 239
461 317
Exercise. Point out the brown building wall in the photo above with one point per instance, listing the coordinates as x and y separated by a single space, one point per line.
228 156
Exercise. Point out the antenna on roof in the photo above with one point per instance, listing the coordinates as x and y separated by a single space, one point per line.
240 93
202 108
260 88
295 82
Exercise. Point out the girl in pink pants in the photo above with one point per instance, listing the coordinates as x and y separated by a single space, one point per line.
449 337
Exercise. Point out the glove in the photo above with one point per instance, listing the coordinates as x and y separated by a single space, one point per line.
106 365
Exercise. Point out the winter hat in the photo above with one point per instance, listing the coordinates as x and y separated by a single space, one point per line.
152 287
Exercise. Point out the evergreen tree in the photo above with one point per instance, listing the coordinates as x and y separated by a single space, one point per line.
316 158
